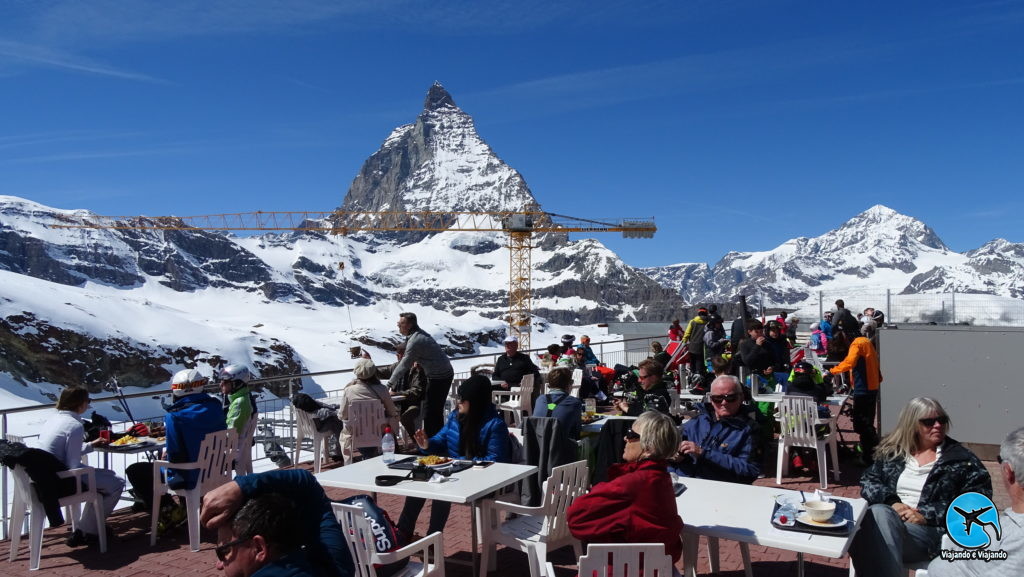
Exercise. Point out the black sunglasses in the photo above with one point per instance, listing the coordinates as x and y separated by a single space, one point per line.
222 550
724 398
930 421
999 459
632 435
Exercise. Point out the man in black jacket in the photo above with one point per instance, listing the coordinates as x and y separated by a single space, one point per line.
844 321
513 365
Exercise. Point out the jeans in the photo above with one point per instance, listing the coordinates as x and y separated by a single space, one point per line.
885 542
864 422
439 511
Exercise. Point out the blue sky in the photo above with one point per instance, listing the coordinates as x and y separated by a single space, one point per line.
738 125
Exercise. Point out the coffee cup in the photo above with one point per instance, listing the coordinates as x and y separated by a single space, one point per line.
820 511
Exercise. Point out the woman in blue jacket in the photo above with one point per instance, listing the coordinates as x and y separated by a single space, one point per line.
473 431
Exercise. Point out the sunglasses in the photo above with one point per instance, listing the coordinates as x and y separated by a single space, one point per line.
632 435
930 421
724 398
999 459
222 550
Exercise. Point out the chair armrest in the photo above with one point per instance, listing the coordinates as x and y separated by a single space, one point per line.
513 508
498 395
86 475
179 466
422 546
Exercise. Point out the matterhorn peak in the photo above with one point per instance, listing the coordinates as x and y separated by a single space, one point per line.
438 97
438 163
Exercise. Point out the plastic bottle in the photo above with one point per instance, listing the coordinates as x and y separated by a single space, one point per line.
387 445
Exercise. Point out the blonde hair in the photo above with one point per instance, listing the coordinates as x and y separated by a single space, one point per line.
902 442
659 437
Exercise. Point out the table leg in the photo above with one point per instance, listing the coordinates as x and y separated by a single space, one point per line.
799 565
474 513
690 546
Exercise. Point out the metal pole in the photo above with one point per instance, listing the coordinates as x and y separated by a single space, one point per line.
3 485
952 305
888 304
821 305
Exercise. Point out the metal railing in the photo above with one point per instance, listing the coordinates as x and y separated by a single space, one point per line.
276 415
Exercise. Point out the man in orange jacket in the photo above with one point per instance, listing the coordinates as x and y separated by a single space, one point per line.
867 376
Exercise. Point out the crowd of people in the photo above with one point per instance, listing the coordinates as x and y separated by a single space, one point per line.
281 523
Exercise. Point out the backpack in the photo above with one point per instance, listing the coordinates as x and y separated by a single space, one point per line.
696 342
386 535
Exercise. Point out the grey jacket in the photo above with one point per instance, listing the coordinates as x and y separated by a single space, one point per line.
421 347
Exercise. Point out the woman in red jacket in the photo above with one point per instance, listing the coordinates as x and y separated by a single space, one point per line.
637 504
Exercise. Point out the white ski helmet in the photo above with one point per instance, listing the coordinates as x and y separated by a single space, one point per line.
187 382
235 373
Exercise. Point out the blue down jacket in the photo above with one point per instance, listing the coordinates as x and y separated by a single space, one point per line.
729 447
187 422
493 436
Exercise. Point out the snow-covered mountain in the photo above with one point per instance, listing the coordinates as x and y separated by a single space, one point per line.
81 305
878 248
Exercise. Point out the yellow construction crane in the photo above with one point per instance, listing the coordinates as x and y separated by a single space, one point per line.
520 226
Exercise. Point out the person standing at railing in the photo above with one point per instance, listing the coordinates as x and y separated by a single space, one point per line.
421 348
63 436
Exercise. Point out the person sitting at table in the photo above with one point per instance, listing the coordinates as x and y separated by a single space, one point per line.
324 549
589 357
637 503
474 430
658 354
1011 523
365 387
653 394
187 422
721 442
559 404
549 359
411 386
63 436
512 366
917 472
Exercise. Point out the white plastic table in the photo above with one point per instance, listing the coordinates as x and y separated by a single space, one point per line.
743 513
471 486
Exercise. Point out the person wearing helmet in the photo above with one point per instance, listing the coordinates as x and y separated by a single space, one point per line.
238 402
187 422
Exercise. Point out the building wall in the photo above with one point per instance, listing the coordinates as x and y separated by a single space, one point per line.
975 372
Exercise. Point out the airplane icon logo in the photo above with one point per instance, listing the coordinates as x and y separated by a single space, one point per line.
966 511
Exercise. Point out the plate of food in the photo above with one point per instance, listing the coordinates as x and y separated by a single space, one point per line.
129 441
434 461
590 418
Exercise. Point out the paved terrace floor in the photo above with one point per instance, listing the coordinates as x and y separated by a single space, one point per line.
130 555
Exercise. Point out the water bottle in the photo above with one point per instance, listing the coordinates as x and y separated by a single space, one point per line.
387 445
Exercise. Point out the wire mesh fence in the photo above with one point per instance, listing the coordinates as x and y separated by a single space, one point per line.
948 308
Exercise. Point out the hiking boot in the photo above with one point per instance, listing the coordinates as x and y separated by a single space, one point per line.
76 539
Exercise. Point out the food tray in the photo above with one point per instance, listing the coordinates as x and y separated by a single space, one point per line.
843 508
408 463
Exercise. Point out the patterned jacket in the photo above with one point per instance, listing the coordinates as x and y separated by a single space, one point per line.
957 471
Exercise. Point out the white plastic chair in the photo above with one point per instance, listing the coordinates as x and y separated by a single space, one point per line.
363 428
535 530
243 454
214 463
798 416
626 560
519 401
360 539
306 429
577 383
25 499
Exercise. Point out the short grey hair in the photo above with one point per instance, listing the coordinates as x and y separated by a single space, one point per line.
737 386
659 436
1012 452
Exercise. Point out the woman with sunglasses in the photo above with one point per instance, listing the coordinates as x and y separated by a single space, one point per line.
637 503
473 431
918 471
